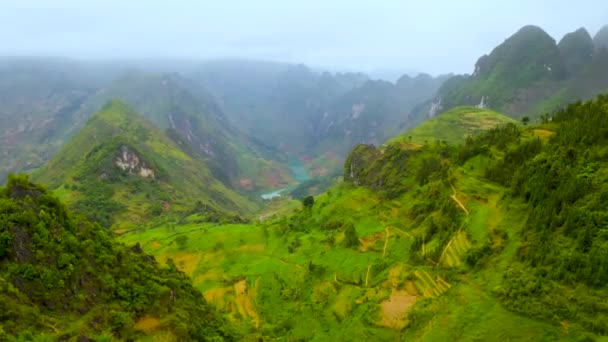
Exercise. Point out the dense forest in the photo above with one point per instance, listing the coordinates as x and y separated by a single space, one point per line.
64 276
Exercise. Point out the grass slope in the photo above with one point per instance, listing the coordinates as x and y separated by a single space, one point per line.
86 174
453 126
428 244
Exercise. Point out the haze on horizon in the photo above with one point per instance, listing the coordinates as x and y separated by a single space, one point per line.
430 36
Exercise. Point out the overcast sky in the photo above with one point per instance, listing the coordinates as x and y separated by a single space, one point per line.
428 35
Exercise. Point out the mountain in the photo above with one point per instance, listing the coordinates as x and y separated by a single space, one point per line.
576 49
429 241
46 101
318 116
524 61
601 38
242 117
371 113
169 101
65 278
37 98
279 104
122 171
528 74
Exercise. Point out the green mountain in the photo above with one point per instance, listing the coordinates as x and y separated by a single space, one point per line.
169 102
44 102
529 75
527 58
495 236
65 278
122 171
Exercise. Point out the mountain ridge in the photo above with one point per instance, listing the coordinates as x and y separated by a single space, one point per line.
119 152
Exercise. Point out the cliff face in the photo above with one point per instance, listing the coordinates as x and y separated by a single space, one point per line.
128 160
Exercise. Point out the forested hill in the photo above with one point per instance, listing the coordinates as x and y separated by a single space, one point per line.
124 172
547 240
531 73
67 278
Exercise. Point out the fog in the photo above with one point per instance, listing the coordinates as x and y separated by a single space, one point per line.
387 36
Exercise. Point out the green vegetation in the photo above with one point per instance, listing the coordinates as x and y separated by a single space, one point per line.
121 171
432 242
452 126
63 277
499 237
530 74
470 226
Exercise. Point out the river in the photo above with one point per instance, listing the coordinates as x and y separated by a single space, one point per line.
298 172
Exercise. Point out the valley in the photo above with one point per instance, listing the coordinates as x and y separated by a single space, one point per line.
252 200
299 174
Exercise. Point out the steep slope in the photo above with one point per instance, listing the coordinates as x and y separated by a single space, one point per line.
576 49
601 38
46 101
169 102
524 60
37 99
318 116
65 278
529 74
279 104
121 170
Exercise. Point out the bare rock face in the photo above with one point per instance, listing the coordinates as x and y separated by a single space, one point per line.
128 160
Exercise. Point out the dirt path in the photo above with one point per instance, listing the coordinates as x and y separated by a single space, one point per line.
453 196
367 275
385 242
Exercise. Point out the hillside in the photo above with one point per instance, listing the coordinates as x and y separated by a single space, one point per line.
174 103
37 97
453 126
122 171
44 102
530 75
499 237
65 278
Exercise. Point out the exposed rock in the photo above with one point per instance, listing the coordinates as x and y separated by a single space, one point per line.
128 160
21 246
435 108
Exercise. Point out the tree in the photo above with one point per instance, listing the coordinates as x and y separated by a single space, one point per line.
525 120
350 236
308 202
182 241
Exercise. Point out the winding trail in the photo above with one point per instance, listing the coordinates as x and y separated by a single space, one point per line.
453 196
385 242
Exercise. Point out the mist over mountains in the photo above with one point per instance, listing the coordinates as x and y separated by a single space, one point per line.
255 200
